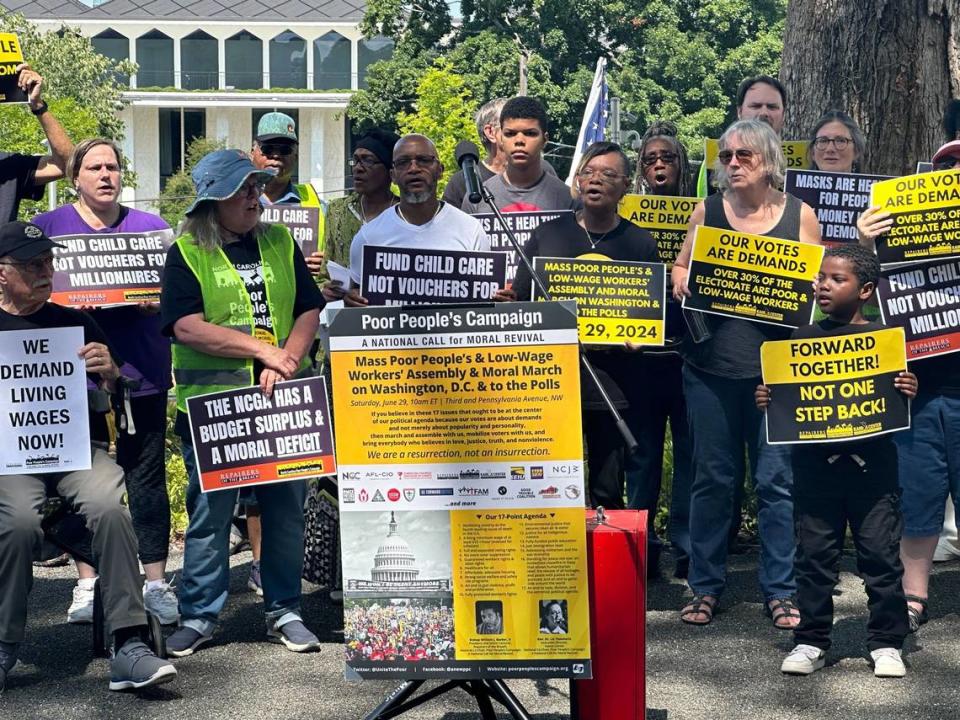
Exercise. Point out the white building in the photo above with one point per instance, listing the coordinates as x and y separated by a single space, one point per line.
212 68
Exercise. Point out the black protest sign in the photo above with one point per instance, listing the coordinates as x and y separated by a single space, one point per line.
522 224
302 222
923 299
834 388
836 198
408 276
242 437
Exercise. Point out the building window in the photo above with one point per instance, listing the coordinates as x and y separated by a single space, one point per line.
199 65
155 58
178 128
244 60
331 62
115 46
288 61
372 50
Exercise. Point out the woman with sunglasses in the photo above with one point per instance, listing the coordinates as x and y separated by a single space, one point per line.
720 374
836 143
928 452
243 310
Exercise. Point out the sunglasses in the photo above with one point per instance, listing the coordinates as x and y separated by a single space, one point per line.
947 164
744 155
278 149
667 157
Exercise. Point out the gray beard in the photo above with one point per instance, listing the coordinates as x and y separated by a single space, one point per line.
417 198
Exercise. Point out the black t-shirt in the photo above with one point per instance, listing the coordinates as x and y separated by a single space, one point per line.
17 173
55 316
938 375
456 189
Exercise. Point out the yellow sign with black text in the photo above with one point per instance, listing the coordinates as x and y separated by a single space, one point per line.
664 217
795 151
11 56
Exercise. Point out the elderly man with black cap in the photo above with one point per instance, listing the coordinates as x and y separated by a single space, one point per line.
243 310
275 148
26 274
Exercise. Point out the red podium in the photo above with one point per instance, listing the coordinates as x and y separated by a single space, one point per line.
617 562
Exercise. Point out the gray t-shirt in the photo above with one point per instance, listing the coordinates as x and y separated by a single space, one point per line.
548 193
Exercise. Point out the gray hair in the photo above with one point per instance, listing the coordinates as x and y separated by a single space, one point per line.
204 226
489 114
761 138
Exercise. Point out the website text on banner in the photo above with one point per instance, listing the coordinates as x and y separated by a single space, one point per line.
461 491
834 388
617 301
43 402
242 437
753 277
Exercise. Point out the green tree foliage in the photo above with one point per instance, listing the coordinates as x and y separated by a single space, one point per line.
444 113
179 192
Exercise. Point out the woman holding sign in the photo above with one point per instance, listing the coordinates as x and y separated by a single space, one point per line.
94 169
721 370
243 310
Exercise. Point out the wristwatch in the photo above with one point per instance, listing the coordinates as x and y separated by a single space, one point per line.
40 109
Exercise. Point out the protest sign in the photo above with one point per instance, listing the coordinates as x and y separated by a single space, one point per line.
926 217
302 222
616 300
924 167
242 437
923 299
522 224
795 152
665 217
461 491
409 276
11 55
43 402
834 388
836 198
109 268
753 277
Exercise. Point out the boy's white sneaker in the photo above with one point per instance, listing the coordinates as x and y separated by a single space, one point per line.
887 663
803 660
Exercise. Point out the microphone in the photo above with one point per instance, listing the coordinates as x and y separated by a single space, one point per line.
468 155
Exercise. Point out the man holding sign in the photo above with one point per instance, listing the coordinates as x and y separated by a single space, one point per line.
26 269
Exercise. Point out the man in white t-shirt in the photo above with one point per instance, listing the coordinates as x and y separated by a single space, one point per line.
420 220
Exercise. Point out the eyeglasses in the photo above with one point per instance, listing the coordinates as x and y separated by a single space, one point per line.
425 161
250 188
667 157
35 266
278 149
840 143
368 161
744 155
607 176
947 164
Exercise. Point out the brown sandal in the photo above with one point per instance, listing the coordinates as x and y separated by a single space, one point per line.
780 609
700 605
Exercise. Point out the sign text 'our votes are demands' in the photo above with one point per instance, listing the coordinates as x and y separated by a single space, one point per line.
836 198
43 402
242 437
665 218
109 268
753 277
834 388
522 224
924 299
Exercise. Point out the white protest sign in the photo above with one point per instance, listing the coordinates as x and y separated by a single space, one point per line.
43 402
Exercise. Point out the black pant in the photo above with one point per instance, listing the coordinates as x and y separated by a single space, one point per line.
605 476
142 457
827 496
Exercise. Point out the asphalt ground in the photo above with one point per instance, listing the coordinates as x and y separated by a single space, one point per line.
729 669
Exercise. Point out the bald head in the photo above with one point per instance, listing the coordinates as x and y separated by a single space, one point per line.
413 138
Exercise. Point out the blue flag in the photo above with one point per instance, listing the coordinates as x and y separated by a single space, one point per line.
594 116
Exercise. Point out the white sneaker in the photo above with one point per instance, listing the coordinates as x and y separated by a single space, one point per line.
887 663
81 609
803 660
162 602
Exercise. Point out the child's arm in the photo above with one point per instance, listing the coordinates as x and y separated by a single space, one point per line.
762 396
905 382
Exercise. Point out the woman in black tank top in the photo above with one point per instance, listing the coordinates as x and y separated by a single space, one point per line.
720 374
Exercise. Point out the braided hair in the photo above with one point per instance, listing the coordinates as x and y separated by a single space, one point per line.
666 131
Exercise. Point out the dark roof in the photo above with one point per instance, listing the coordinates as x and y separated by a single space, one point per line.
257 10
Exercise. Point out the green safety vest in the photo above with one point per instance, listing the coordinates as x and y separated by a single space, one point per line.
309 198
226 303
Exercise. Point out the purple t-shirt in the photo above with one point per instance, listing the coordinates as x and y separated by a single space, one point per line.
136 337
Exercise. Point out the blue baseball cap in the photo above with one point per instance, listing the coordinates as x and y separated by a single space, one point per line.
221 173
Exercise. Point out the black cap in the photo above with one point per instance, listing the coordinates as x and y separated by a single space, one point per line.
22 241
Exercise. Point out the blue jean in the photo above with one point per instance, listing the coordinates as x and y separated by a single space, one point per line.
929 459
205 579
723 421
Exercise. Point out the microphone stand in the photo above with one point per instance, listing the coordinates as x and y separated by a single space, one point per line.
629 442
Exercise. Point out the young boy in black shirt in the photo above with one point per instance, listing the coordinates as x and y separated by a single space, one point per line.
851 482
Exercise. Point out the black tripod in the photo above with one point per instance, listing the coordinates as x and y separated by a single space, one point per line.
484 691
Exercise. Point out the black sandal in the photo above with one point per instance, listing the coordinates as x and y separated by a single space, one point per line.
780 608
915 617
699 605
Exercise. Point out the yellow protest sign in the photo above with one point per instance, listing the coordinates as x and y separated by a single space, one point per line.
10 57
795 151
665 217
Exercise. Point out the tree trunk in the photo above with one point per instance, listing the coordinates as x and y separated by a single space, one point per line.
891 64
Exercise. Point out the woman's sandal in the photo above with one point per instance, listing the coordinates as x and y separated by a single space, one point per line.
707 605
915 617
780 609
